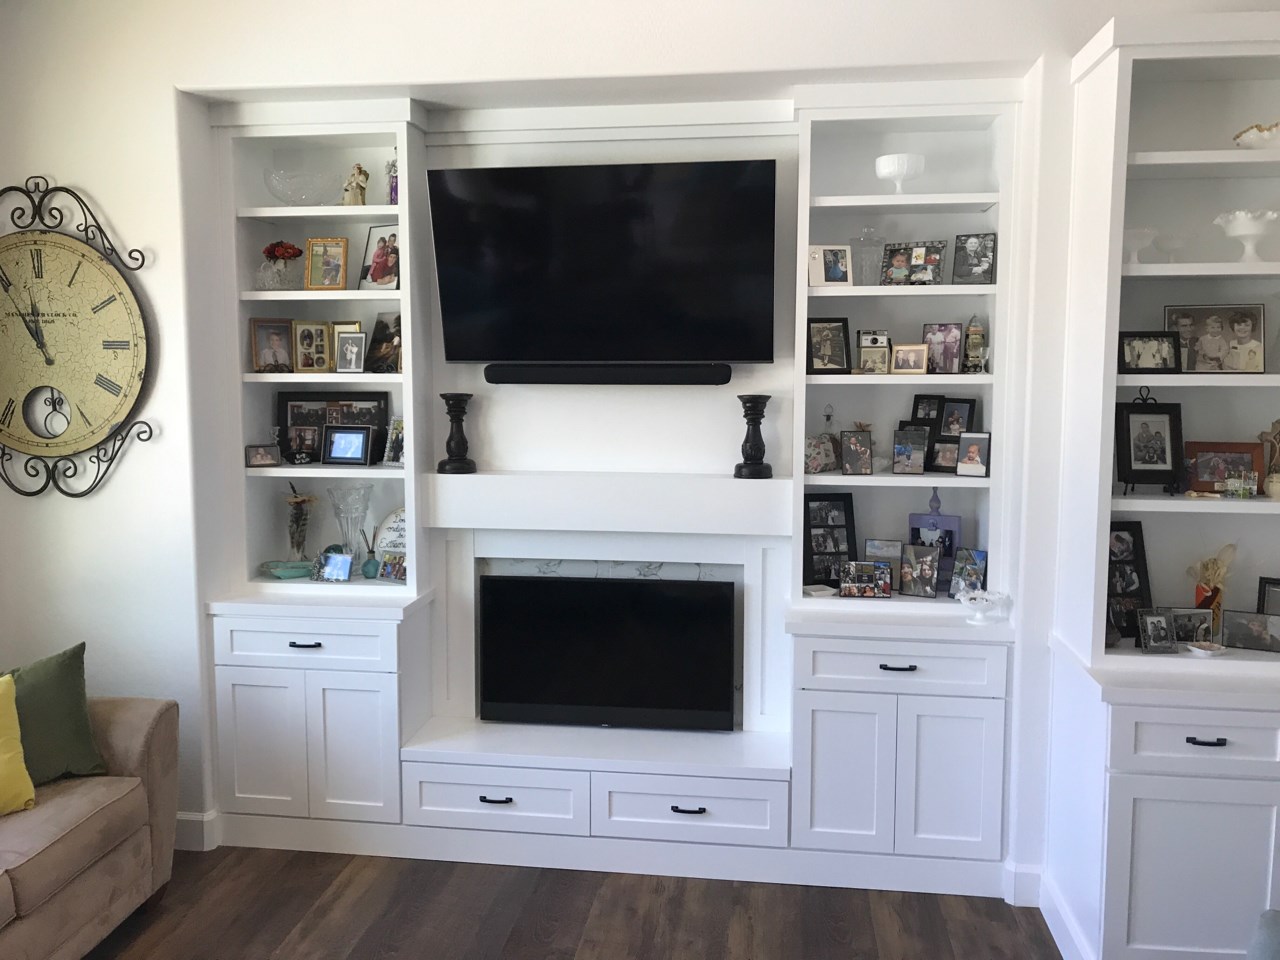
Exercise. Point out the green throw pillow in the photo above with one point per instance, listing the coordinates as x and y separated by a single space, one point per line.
53 716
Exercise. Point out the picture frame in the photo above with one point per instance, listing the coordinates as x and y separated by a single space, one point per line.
1148 351
1149 444
969 573
829 265
939 530
1155 632
919 571
1209 341
326 264
927 408
1211 463
913 263
829 347
312 347
866 579
910 358
958 416
974 455
350 352
384 352
1191 624
380 267
975 259
855 453
332 567
1246 630
943 455
909 449
263 455
393 454
270 345
1128 581
825 516
946 346
393 566
351 445
1269 595
302 415
886 551
874 361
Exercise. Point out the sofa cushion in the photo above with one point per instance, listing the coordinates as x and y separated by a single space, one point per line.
7 910
73 824
16 791
54 715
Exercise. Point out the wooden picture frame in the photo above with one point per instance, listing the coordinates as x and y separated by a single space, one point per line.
910 359
326 268
1211 463
1153 452
830 352
312 347
828 514
271 345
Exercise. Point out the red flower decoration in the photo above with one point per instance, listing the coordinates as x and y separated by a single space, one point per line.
281 250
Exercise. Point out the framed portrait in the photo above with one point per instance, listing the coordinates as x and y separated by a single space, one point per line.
270 345
312 347
909 448
1149 443
1148 352
1191 625
392 566
1269 595
910 358
1128 584
1251 631
919 571
394 452
381 267
1210 464
974 458
969 573
927 407
855 452
957 417
1155 630
942 457
936 530
873 360
886 551
946 346
829 348
262 455
913 263
975 260
869 579
332 567
349 445
302 416
350 352
829 266
1218 338
383 355
829 536
326 267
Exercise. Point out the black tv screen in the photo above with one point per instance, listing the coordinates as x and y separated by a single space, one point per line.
628 653
629 263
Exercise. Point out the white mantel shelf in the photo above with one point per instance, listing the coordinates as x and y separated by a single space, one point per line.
615 502
1155 503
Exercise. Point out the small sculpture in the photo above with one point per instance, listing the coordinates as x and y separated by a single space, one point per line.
1210 576
455 405
753 466
393 179
353 189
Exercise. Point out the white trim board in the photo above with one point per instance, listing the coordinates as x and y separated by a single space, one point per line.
1071 940
200 832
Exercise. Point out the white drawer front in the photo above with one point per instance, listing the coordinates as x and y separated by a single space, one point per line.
312 644
907 666
517 799
1226 742
640 806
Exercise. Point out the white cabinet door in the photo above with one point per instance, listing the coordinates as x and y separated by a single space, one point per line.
1191 863
353 746
842 784
262 741
950 777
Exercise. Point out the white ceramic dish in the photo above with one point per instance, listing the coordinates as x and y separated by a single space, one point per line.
1258 137
1206 649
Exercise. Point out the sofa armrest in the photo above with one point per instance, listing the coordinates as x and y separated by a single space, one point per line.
139 738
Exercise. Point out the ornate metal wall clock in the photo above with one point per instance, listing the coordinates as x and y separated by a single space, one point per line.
73 346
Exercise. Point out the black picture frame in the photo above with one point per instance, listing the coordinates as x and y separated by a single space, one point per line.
942 456
1161 460
818 516
955 405
855 453
965 468
968 572
320 408
927 408
906 445
1269 596
335 434
978 267
1133 341
1251 631
913 263
389 234
1128 582
840 325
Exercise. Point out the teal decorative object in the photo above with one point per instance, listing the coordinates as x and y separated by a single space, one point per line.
370 567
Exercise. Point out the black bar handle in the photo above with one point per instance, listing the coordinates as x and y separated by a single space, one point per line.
305 646
677 809
910 669
484 799
1196 742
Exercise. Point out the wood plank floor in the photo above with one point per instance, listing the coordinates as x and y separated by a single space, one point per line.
239 904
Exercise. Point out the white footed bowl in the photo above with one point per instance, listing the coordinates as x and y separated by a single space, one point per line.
1258 137
899 167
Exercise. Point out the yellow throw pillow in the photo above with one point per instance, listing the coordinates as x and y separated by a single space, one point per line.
16 791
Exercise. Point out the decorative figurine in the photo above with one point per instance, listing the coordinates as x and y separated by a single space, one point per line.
753 466
975 347
1210 576
455 404
353 189
393 179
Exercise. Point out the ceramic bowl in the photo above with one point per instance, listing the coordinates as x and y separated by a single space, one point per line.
899 167
1258 137
1206 649
1137 239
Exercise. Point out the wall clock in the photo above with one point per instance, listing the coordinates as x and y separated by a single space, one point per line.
73 347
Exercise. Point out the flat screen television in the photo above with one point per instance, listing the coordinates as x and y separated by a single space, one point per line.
623 263
627 653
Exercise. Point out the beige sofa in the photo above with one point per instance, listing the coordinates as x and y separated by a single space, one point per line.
93 849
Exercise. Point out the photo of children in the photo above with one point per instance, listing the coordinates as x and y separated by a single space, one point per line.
1219 339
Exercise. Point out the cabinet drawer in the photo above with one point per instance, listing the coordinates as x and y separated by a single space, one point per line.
892 666
313 644
1157 740
496 798
647 807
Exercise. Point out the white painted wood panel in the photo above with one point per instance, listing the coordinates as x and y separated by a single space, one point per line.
353 746
310 644
262 741
497 798
1155 740
958 669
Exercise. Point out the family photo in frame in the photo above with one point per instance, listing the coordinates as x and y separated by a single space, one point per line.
1149 444
913 263
1225 338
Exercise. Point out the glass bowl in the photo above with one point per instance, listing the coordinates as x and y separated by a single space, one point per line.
297 189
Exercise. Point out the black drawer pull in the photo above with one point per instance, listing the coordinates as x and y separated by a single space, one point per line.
305 646
910 669
1195 742
484 799
676 809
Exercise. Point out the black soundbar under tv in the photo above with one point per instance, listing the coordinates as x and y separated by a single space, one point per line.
662 374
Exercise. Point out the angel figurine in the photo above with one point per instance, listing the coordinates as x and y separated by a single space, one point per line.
353 189
393 179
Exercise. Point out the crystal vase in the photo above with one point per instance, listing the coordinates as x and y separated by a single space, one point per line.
279 275
868 253
350 506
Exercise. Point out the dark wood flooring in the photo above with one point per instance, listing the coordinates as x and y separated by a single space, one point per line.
238 904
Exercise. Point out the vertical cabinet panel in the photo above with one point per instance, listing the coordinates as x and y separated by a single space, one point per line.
842 792
353 746
950 777
1191 863
262 741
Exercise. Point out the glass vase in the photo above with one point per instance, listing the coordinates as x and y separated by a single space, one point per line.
279 275
350 506
868 255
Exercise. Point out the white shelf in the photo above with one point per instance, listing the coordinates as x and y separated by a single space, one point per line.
334 295
908 203
1156 503
1203 164
1237 269
371 213
943 290
908 618
743 754
1198 380
306 378
329 470
894 480
904 379
345 590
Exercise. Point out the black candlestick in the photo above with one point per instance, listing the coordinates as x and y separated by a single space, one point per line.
455 404
753 466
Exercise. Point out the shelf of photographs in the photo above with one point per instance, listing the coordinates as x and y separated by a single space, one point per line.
931 203
373 211
1236 269
389 296
900 380
328 471
911 291
905 250
1164 503
300 172
1203 164
895 480
1182 380
324 378
332 255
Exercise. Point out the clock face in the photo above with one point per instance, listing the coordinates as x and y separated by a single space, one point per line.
73 348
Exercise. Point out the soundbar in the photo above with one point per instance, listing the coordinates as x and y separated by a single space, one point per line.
647 374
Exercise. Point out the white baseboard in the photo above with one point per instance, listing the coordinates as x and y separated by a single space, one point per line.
1067 934
198 831
1021 884
709 861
